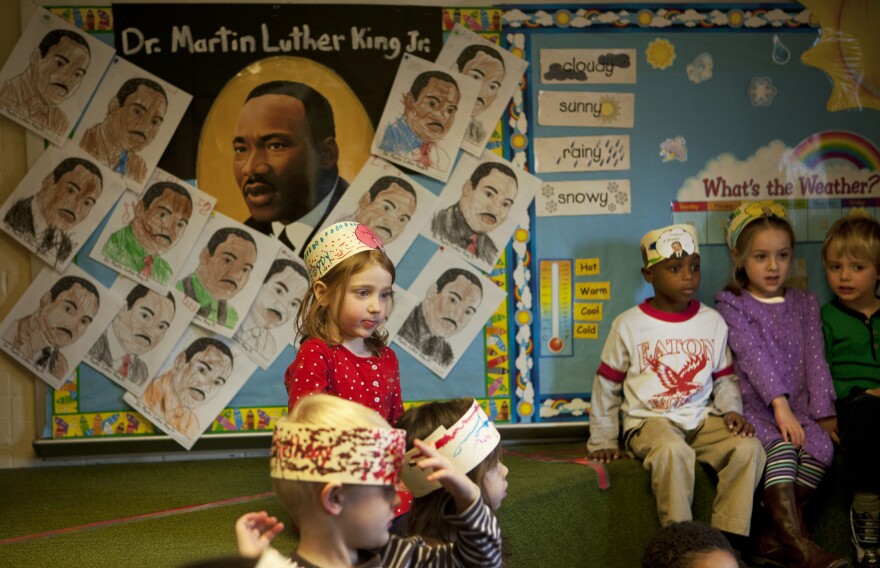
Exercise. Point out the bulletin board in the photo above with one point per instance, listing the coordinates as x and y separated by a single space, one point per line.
681 113
633 117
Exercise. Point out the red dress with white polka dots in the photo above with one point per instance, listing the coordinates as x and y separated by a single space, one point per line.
371 381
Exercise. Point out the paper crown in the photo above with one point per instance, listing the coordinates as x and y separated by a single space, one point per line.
335 243
659 244
466 443
746 213
363 456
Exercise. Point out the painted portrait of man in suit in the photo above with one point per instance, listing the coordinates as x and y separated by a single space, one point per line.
64 314
55 70
277 303
486 65
65 198
386 208
160 218
134 117
449 305
225 266
485 203
198 373
138 328
429 109
286 160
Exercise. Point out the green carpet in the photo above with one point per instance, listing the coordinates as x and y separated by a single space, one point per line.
556 514
51 499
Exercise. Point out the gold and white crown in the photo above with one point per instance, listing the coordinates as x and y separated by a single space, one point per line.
335 243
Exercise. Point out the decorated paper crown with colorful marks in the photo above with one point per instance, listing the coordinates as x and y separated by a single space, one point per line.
674 241
362 456
466 443
746 213
335 243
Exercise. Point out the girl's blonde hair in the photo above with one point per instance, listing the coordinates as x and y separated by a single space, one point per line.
857 236
739 279
426 516
330 411
315 317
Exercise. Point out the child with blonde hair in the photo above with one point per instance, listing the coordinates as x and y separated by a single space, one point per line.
463 433
776 338
334 467
851 325
342 349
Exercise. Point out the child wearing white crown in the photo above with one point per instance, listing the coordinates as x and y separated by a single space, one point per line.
463 432
334 467
342 349
667 361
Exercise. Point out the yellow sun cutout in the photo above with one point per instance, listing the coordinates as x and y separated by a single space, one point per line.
847 50
660 53
735 18
609 109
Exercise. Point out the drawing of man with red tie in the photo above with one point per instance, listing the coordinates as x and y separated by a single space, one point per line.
139 327
160 218
485 203
429 109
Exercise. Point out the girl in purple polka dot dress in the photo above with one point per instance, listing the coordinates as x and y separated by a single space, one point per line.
775 334
342 350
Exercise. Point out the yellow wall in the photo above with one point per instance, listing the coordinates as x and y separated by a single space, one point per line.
17 399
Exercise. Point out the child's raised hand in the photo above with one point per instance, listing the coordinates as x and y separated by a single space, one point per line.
604 456
738 425
254 532
829 424
463 491
787 422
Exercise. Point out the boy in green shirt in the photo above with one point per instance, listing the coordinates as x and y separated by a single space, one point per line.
851 324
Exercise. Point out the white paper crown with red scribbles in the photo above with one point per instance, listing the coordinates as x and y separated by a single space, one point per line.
335 243
466 443
362 456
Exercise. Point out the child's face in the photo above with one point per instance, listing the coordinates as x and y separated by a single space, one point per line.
715 559
366 515
852 280
767 262
495 485
675 282
365 303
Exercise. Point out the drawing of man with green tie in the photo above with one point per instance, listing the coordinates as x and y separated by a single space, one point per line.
160 218
225 264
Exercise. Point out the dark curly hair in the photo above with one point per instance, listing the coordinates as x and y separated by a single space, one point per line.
679 544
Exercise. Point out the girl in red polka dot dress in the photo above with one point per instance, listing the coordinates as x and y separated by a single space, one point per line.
342 351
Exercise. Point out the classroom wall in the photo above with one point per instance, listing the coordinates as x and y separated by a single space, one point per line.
19 401
17 387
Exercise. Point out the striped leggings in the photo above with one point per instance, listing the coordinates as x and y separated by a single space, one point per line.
787 464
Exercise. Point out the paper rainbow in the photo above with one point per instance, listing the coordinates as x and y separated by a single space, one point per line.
837 145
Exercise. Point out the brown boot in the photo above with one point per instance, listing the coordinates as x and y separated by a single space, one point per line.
765 549
804 495
781 502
